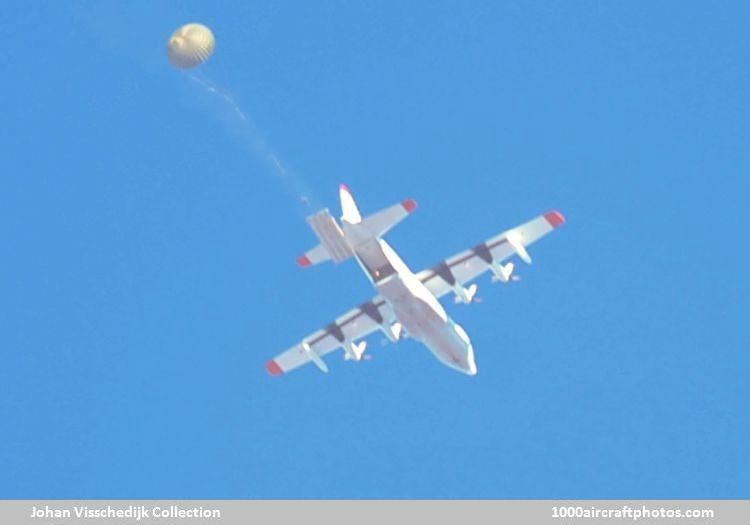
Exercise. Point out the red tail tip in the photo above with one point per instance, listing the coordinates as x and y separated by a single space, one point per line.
273 368
304 261
409 205
345 188
554 218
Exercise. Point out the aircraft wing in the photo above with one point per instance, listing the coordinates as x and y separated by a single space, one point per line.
469 264
354 324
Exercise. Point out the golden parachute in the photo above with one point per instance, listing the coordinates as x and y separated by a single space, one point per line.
190 46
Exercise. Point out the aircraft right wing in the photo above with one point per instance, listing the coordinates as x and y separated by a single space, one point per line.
341 333
469 264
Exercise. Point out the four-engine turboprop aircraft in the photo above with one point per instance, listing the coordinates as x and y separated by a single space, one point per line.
407 302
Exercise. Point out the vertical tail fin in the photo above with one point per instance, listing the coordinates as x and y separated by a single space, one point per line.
350 212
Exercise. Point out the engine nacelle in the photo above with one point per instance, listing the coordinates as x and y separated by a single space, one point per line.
502 273
464 295
392 331
354 351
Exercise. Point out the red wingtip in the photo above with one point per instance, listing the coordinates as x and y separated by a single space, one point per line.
273 368
304 261
345 188
554 218
409 205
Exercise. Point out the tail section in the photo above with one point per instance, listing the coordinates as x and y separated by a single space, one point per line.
334 244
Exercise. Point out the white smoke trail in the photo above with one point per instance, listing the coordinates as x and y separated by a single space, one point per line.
249 133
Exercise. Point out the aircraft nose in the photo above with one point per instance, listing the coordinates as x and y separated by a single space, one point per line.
471 366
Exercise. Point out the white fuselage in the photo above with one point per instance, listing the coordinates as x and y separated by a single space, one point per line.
412 304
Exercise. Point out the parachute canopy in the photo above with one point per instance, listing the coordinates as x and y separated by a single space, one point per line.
190 46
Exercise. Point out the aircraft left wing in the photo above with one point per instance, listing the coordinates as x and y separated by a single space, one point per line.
451 274
341 333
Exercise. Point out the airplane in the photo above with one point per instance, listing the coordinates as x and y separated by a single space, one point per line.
407 303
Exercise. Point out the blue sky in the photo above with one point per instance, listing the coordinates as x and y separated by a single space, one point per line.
148 269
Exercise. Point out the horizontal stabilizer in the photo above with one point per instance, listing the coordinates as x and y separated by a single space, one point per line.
332 245
381 222
315 256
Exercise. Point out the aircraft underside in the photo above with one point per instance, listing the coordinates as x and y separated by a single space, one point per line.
407 302
445 339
